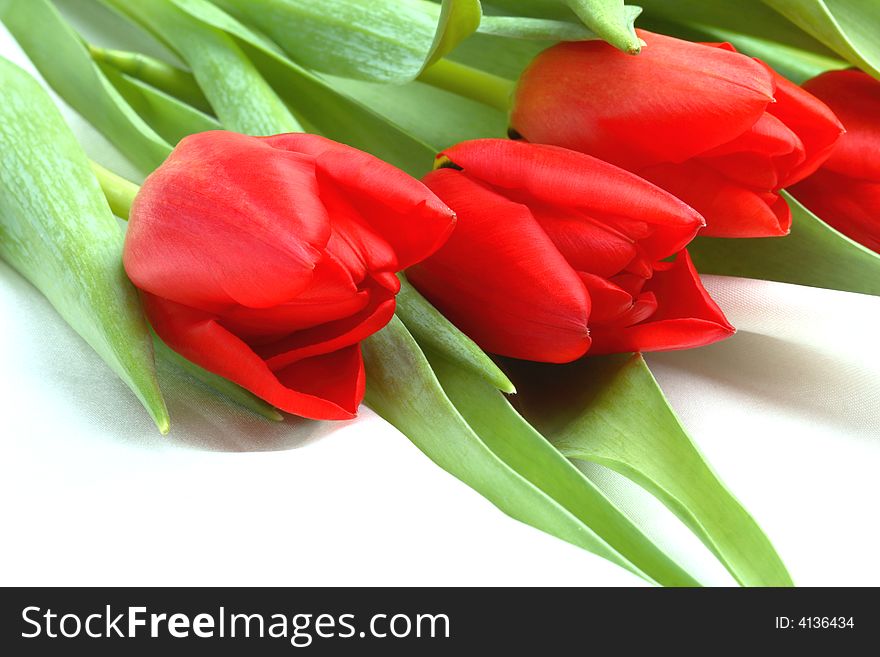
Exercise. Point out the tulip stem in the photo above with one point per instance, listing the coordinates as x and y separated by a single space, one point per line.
119 191
156 73
483 87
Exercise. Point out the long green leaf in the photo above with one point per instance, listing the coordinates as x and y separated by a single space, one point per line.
57 230
240 96
319 106
524 450
381 40
610 410
64 61
813 254
402 387
849 27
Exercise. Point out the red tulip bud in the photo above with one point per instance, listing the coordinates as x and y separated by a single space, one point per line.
267 260
554 249
718 129
845 191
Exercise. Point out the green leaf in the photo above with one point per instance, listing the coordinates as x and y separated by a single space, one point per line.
813 254
64 61
433 331
545 29
403 389
240 96
453 117
458 20
849 27
57 231
528 453
610 410
168 116
609 19
382 40
318 105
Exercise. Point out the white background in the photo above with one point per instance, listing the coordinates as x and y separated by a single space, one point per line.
787 411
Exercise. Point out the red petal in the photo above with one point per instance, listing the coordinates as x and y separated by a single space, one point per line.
811 120
398 207
686 316
608 300
587 244
731 209
331 336
761 157
329 387
561 177
674 101
227 219
850 205
500 278
352 241
854 97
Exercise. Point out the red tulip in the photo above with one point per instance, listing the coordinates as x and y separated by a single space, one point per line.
554 249
721 131
267 260
845 191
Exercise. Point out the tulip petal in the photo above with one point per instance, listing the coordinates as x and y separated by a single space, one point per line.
561 177
685 315
850 205
328 387
352 241
811 119
609 301
731 209
674 101
398 207
331 336
854 97
587 244
762 157
501 279
216 197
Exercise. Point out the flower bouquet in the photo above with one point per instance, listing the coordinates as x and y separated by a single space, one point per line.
473 219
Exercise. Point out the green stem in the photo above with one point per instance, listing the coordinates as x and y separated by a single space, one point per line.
483 87
120 192
154 72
